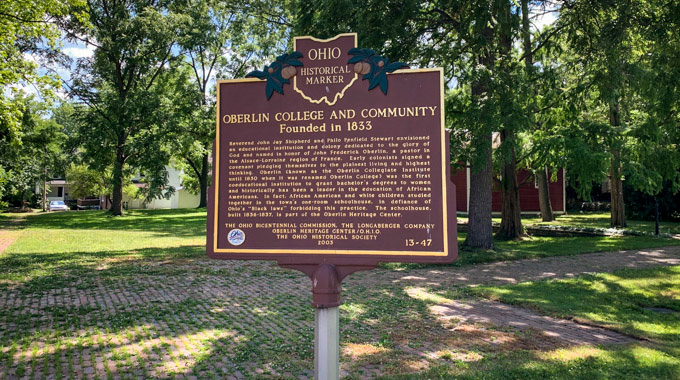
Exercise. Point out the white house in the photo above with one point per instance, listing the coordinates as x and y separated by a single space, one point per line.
180 199
59 190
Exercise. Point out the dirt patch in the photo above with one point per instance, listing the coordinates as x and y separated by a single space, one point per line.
6 239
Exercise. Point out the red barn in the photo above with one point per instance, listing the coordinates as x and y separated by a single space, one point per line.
528 192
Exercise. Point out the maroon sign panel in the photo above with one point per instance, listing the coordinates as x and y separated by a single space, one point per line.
330 171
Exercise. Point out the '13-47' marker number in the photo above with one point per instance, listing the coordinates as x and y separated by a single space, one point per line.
422 243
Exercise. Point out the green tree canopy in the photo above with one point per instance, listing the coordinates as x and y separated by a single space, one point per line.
125 126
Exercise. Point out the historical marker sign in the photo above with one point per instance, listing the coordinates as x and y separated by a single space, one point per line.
312 167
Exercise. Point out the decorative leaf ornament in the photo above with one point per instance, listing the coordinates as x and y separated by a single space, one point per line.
373 67
278 73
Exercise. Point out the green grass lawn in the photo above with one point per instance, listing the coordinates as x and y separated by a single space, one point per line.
621 301
601 220
54 247
541 246
597 220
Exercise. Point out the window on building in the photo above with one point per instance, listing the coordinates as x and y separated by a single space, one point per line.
60 191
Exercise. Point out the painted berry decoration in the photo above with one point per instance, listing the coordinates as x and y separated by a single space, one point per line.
288 72
362 68
373 67
278 73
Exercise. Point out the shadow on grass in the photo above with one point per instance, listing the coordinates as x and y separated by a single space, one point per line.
178 222
604 300
603 363
9 221
602 220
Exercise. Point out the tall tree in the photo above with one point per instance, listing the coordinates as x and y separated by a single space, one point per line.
29 38
620 54
622 50
600 35
19 158
653 141
219 40
541 172
512 121
134 40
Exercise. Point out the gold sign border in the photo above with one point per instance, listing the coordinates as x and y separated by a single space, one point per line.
340 251
338 95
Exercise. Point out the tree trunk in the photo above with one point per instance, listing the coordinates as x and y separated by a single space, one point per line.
656 215
541 174
480 231
117 203
544 196
526 36
203 181
511 219
618 212
44 190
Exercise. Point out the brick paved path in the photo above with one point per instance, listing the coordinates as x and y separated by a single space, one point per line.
200 319
513 272
196 318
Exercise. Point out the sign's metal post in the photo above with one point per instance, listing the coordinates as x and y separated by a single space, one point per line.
326 290
327 343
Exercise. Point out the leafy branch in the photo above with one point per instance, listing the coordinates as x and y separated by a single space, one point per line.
373 67
278 73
